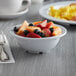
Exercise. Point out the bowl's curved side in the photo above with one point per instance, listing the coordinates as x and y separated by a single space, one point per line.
38 45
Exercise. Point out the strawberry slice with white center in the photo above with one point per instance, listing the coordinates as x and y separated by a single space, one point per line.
43 24
49 24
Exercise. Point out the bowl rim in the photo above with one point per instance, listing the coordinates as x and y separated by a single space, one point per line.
45 38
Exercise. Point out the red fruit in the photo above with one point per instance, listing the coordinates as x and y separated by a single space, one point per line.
49 24
46 32
43 24
33 35
40 26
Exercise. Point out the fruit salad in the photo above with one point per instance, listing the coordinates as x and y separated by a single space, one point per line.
39 29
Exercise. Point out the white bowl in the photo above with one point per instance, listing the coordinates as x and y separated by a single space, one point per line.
37 45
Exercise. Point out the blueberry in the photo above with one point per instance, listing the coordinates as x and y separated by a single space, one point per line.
42 34
36 31
31 24
51 29
26 32
39 33
15 29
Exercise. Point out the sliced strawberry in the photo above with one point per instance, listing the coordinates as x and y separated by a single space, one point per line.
33 35
39 25
46 32
43 24
49 24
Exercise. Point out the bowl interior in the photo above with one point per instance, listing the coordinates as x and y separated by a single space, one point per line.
64 31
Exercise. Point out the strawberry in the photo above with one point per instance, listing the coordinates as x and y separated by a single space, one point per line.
33 35
43 24
46 32
39 25
49 24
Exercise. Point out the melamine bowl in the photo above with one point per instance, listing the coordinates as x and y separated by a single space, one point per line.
39 45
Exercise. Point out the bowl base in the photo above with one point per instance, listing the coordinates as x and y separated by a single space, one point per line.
33 52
